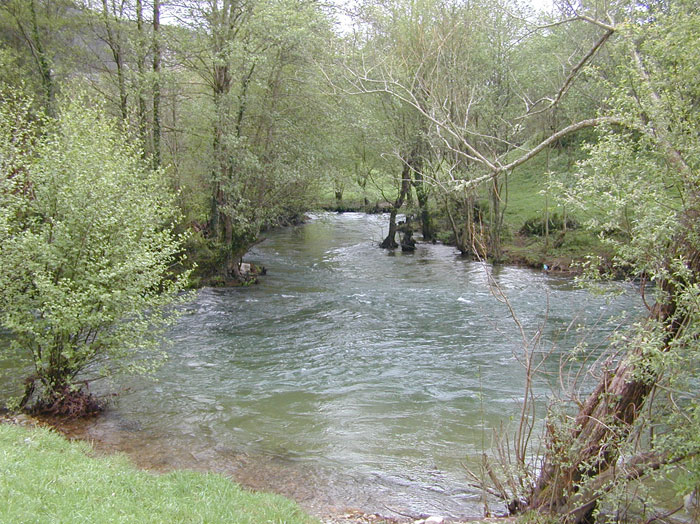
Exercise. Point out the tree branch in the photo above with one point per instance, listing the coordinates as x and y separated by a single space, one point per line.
572 74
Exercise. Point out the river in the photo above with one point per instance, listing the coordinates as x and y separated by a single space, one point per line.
350 376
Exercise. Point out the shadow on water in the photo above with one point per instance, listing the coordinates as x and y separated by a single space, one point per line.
350 376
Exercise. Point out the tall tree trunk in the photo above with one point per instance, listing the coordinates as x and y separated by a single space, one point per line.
225 20
221 225
220 168
579 462
243 98
156 83
141 65
470 239
114 42
496 221
390 241
338 190
38 50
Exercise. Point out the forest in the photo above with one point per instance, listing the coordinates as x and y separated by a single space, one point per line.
146 146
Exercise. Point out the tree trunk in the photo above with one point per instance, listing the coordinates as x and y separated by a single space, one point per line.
114 41
37 47
606 415
422 197
156 83
219 222
577 461
390 240
463 234
495 222
141 65
243 98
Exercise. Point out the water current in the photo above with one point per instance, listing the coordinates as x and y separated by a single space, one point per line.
350 376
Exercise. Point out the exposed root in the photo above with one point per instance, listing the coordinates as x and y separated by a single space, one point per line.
68 402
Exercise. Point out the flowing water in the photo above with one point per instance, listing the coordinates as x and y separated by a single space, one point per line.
350 376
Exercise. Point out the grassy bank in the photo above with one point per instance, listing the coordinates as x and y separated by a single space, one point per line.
45 478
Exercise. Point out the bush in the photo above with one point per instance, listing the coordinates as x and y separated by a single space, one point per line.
85 249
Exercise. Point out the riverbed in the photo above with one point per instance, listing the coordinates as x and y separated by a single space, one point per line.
350 376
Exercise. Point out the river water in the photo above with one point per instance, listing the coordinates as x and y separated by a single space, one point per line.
350 376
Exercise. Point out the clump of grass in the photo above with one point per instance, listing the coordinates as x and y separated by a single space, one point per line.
45 478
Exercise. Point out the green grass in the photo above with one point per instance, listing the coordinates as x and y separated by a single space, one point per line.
527 189
527 199
354 197
46 479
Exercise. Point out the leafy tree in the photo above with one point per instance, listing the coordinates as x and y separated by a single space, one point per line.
391 36
87 249
642 177
117 42
261 114
460 68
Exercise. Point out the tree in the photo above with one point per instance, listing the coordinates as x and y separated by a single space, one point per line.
461 75
213 57
643 178
87 250
40 27
394 34
260 105
117 49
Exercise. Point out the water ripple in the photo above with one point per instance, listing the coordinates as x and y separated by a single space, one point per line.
351 376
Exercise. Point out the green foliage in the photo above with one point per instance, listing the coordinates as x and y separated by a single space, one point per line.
639 193
641 182
45 478
537 226
255 145
12 71
86 248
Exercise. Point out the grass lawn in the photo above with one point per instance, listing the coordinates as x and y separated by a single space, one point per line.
45 478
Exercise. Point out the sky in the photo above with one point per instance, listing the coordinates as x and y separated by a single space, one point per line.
545 5
345 23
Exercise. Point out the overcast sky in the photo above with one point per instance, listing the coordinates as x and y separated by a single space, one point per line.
346 23
542 4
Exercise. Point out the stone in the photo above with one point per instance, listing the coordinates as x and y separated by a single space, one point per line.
436 519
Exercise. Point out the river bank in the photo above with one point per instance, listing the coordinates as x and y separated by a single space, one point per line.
87 462
562 254
350 377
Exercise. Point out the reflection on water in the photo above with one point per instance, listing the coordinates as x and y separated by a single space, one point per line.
350 376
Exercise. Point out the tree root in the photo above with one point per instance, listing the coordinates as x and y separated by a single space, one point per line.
68 402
